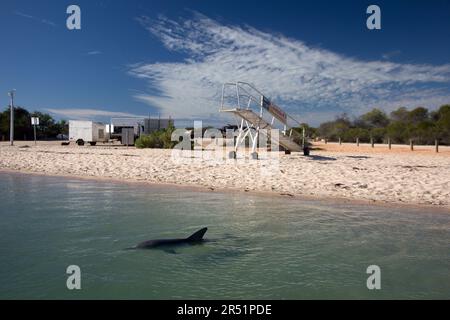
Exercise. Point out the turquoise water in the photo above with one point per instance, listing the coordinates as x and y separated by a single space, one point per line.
260 248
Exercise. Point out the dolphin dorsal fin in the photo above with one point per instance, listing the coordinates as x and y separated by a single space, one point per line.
198 236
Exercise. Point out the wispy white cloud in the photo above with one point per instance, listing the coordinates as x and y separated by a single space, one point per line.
44 21
391 54
23 15
299 77
94 53
50 23
88 114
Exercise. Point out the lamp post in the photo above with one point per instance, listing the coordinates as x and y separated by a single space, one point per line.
11 124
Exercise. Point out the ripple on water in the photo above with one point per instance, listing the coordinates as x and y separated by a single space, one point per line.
260 247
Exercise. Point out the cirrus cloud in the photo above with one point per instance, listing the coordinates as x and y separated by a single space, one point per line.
300 78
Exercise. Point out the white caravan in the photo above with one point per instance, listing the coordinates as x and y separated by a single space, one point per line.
82 132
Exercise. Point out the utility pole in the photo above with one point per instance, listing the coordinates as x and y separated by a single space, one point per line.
11 124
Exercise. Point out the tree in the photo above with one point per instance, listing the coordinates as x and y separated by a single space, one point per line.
443 123
334 129
310 132
418 115
23 130
418 124
353 133
401 114
46 128
22 124
397 131
375 119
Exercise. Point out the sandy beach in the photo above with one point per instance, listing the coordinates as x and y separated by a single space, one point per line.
378 175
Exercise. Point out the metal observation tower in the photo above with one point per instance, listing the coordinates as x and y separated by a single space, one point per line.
255 113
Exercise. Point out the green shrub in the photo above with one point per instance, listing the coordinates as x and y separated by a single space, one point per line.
148 141
158 139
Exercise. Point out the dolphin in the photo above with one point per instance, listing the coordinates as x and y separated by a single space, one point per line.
195 238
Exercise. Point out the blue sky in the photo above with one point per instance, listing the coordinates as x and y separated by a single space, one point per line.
316 58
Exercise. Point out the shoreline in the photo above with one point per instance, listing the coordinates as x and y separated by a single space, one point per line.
395 178
204 189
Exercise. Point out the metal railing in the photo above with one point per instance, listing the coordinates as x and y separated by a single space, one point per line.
253 99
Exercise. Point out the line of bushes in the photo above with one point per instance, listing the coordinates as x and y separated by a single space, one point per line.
400 126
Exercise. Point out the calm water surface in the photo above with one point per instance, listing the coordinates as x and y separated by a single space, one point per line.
260 248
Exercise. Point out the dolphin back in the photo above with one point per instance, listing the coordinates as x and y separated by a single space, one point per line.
197 236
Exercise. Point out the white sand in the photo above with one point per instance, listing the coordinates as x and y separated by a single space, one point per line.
389 177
